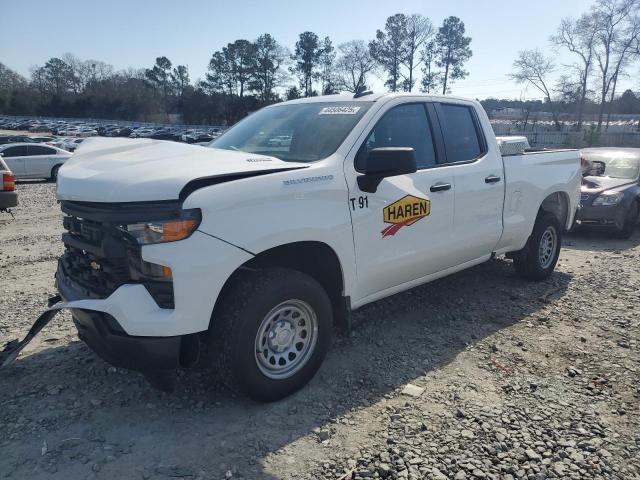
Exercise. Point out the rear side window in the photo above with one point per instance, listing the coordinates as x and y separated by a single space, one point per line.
403 126
38 150
461 140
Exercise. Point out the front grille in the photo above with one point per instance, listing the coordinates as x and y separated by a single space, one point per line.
96 257
100 257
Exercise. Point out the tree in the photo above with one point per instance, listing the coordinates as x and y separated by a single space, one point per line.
579 37
240 56
180 83
618 29
326 59
220 76
628 103
56 77
389 49
430 77
159 76
267 74
353 66
293 93
419 30
533 67
306 57
452 50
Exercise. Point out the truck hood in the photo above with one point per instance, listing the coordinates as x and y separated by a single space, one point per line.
136 170
591 183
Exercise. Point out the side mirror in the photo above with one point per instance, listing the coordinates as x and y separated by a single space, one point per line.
385 162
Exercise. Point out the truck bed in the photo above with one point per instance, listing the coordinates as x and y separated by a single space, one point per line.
530 178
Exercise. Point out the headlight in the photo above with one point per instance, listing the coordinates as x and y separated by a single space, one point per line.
608 199
165 230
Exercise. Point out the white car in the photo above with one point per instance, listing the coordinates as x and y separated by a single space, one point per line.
31 160
141 132
260 252
71 144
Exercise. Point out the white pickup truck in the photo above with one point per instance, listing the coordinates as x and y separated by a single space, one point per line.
259 248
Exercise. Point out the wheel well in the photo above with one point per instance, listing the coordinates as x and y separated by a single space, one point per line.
558 204
55 167
315 259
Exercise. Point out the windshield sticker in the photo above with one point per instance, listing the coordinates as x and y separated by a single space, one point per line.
403 213
339 111
296 181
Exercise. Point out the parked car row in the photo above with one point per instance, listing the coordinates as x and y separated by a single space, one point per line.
82 129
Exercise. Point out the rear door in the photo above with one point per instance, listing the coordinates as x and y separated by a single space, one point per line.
14 158
479 194
39 161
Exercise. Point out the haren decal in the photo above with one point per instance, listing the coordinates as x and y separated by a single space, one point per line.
403 213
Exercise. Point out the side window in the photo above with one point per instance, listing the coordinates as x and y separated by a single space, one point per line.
40 150
461 140
14 152
403 126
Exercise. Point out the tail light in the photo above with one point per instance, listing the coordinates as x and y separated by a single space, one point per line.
8 182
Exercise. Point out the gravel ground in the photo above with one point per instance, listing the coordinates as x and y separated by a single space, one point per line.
479 375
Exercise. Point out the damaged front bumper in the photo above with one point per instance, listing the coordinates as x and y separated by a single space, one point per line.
102 333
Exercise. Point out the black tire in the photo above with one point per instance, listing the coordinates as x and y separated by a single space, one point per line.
529 262
54 173
630 222
233 334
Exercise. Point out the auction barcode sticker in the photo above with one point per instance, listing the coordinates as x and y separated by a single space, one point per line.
339 111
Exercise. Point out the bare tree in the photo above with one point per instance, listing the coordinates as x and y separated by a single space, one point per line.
353 65
419 31
579 37
533 67
624 55
615 38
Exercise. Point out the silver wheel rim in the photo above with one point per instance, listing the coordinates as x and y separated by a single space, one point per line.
286 339
548 245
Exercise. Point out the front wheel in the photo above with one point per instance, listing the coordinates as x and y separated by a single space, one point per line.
537 260
272 332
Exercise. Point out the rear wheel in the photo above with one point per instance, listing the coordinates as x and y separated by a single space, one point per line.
272 332
537 260
54 173
630 222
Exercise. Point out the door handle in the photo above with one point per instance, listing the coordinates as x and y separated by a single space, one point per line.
440 187
492 179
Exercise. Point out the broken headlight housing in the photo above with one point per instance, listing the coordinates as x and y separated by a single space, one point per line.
161 231
608 199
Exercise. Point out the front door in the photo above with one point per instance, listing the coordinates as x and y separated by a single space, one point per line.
402 232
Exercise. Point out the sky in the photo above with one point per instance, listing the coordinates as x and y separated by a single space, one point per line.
133 33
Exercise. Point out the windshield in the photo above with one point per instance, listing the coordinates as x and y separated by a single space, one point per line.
619 164
303 132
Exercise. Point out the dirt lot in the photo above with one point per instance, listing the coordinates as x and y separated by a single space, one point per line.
520 381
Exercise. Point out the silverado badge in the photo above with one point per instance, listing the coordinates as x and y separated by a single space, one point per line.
404 212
